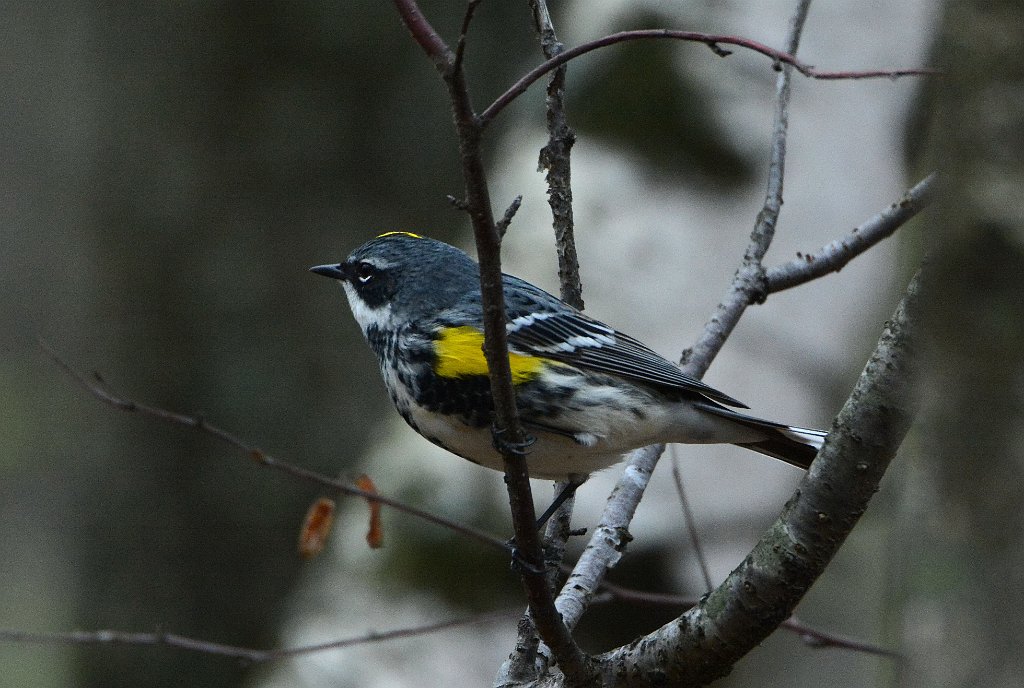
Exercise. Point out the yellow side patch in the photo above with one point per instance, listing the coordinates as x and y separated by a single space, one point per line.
460 354
408 234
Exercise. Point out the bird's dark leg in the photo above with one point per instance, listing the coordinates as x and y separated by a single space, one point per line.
567 492
518 563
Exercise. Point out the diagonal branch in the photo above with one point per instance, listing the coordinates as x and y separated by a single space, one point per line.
98 388
763 590
246 654
835 255
609 540
424 34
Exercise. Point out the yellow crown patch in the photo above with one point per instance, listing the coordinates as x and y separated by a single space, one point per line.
408 234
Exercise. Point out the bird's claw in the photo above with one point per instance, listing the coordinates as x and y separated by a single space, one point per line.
504 446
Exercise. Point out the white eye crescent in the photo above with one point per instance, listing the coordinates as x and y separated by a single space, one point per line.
365 272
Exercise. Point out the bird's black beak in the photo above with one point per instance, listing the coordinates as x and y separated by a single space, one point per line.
336 271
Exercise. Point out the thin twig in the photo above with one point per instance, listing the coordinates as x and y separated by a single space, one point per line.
99 389
467 19
812 637
691 523
748 282
818 639
836 254
713 41
510 212
206 647
555 158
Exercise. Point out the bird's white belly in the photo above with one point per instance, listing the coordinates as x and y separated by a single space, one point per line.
556 456
551 456
601 426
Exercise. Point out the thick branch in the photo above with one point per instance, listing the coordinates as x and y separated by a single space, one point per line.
762 591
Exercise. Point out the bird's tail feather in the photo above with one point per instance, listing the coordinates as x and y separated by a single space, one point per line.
795 446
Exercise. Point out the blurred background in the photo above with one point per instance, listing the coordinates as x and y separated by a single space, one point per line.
172 169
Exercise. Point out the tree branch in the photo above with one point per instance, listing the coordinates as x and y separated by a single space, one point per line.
555 159
749 278
206 647
612 534
812 637
835 255
530 658
610 537
98 388
424 34
762 591
509 435
713 41
691 523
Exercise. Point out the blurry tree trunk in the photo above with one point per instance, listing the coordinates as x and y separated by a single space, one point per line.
963 567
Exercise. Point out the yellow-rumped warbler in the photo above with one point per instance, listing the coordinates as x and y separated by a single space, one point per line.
586 393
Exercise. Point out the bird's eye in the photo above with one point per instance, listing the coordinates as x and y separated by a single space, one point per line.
365 272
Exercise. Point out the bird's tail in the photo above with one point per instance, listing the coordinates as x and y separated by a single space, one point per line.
795 446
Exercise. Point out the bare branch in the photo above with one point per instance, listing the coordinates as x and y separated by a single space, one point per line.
98 388
763 590
206 647
530 658
611 536
713 41
609 540
508 431
835 255
812 637
510 212
748 282
691 524
467 19
891 74
819 639
424 34
555 158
